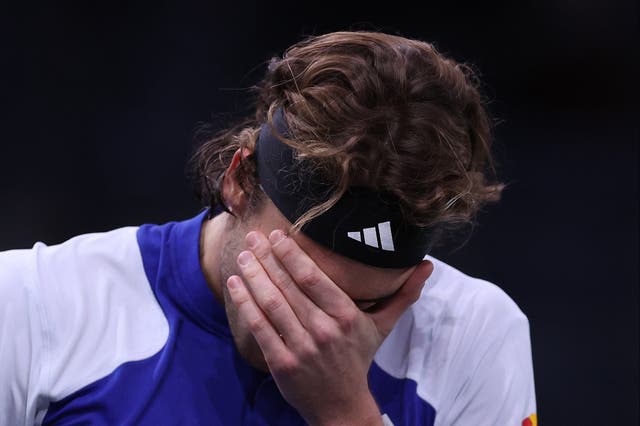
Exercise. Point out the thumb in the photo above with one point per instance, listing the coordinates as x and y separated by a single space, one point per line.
387 314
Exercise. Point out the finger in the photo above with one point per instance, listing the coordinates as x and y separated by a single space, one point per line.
387 314
317 323
269 299
310 278
298 301
266 336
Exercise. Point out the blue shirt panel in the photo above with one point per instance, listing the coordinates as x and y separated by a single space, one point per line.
198 377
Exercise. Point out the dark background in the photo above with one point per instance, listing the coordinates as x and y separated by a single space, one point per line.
100 103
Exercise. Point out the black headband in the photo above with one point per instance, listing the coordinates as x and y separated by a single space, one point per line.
363 225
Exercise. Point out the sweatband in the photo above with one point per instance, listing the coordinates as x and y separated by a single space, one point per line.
364 225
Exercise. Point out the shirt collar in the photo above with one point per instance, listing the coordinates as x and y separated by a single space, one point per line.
185 254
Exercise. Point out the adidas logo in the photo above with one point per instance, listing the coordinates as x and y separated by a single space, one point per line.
378 236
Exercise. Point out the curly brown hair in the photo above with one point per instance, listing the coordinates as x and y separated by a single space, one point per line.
375 110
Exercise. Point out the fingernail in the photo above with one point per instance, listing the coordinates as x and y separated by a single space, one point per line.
276 236
244 258
233 283
252 240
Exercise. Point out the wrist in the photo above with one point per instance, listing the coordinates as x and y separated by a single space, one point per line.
364 412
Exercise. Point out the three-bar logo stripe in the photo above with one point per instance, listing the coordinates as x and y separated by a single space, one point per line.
378 236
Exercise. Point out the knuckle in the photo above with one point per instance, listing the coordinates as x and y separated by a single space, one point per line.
272 303
287 365
287 251
323 333
240 298
281 279
257 324
347 320
323 336
308 277
262 251
308 350
250 272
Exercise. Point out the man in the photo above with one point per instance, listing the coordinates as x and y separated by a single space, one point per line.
304 293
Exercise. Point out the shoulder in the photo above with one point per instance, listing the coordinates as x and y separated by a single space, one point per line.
455 306
22 335
97 305
79 253
17 272
450 293
78 271
67 273
458 323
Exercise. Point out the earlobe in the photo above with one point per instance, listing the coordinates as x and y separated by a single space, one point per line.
230 191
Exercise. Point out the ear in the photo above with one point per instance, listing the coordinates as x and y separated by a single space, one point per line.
233 195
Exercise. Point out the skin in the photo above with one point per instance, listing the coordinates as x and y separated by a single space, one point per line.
312 318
